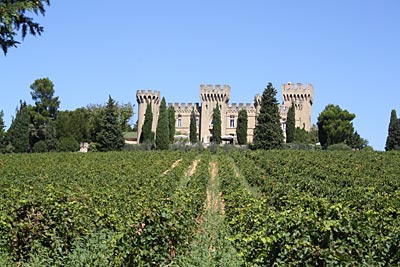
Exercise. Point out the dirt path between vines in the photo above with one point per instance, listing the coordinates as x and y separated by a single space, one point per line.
193 168
172 166
215 202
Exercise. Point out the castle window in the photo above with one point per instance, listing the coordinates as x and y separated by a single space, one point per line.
179 121
232 121
197 122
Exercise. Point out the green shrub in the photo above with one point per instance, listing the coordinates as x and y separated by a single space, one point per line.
40 147
213 148
68 144
340 146
93 147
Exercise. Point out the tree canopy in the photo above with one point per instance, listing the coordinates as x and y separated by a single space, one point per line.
162 132
291 124
18 132
110 136
217 125
393 138
44 110
241 128
357 142
268 133
146 135
334 125
13 19
193 128
2 131
171 121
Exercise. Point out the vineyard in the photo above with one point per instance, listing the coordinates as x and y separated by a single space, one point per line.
173 208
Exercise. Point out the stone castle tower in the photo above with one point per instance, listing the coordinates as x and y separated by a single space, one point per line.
145 98
211 96
303 98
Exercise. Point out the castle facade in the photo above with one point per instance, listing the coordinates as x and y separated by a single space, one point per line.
210 96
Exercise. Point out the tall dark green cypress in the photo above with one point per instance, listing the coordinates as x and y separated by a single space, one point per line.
193 128
110 136
171 121
19 129
268 133
217 125
290 124
146 135
241 129
393 138
162 132
2 131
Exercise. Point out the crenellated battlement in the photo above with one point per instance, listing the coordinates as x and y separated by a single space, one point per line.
297 92
210 88
146 95
185 108
215 93
297 88
234 108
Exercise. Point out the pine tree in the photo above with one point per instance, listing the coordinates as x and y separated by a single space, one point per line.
146 135
193 128
45 108
171 121
217 125
268 133
393 138
241 129
334 125
162 132
110 136
290 124
19 129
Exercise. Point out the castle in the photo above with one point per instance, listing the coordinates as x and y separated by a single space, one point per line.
302 97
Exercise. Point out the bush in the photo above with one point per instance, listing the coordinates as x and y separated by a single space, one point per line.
68 144
213 148
40 147
93 147
340 146
301 146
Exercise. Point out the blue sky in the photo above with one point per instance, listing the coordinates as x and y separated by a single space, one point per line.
349 51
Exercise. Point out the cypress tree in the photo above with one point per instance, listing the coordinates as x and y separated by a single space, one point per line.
2 131
268 133
290 124
171 121
393 138
217 125
162 132
110 136
193 128
241 130
19 129
146 134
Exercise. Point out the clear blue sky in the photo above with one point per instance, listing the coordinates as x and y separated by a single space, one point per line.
349 51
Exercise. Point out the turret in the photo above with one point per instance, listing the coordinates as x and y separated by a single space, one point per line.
303 99
144 98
